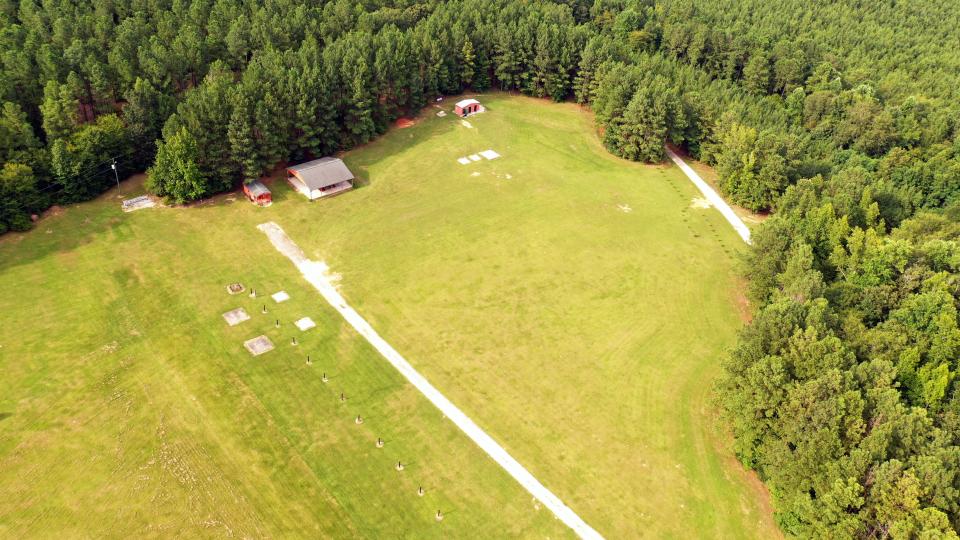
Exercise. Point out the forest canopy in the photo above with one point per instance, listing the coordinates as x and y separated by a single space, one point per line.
841 119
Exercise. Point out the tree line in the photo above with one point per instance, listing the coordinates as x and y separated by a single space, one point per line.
842 392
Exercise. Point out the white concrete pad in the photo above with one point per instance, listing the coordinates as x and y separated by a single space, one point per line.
258 345
138 203
236 316
489 154
305 324
463 161
441 114
474 157
466 124
281 296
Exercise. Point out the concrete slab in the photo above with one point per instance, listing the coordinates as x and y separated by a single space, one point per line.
236 316
258 345
305 324
137 203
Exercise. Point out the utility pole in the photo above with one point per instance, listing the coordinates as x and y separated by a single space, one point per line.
117 176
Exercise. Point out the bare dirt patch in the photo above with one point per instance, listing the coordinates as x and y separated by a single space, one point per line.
744 310
235 288
54 210
404 123
699 202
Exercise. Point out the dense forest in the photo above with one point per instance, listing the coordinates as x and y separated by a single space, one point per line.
841 118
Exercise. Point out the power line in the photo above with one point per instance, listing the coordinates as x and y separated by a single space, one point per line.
113 163
107 161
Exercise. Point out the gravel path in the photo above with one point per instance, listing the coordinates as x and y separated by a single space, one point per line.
316 273
712 196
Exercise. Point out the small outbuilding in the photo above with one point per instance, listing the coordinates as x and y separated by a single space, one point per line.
467 107
257 193
322 177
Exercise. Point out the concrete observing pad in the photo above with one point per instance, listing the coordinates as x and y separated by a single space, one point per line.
305 323
258 345
236 316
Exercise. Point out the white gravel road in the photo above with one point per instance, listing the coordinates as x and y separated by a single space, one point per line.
711 195
317 273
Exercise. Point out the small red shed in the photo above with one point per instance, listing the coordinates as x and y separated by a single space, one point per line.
257 193
467 107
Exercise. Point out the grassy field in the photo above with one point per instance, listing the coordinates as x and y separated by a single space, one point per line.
573 304
129 407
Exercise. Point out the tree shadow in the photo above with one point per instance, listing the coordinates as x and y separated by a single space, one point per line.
80 224
397 140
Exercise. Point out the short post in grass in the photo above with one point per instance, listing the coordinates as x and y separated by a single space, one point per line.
359 419
309 363
399 466
293 340
420 491
253 293
324 378
379 442
277 323
264 310
342 397
439 515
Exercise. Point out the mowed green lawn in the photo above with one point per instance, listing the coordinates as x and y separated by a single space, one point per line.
573 304
128 407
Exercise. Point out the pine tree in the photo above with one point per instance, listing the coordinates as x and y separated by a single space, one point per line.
481 78
240 135
19 197
640 133
144 113
306 125
273 126
17 141
60 111
359 117
176 174
467 65
756 74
